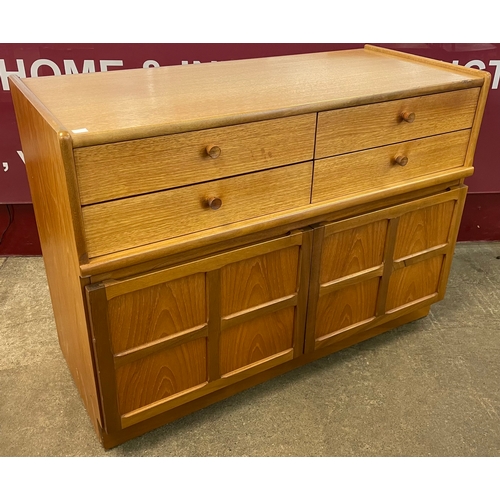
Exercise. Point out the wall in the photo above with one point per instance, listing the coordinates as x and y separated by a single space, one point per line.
18 234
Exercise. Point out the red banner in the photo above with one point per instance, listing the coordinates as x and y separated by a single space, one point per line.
33 60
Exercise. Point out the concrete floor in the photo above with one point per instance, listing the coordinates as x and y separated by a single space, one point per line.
429 388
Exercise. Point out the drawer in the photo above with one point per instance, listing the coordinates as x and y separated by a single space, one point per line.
118 170
362 127
376 169
131 222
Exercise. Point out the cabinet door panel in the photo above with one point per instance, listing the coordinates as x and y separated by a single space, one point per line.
346 273
258 280
346 307
167 337
369 269
413 283
361 248
161 375
257 339
422 229
158 311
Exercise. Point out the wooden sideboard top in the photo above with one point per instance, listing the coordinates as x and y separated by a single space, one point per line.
99 108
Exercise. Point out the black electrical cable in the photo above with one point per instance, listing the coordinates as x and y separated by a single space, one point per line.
11 219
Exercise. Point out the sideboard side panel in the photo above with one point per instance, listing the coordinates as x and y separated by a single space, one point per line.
45 149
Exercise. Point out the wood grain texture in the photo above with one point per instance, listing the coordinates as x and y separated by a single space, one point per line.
397 207
357 331
421 256
274 224
103 355
469 72
161 375
447 66
262 279
478 118
149 314
318 237
135 167
152 325
127 223
186 200
144 421
263 309
452 238
355 173
185 402
155 346
213 291
47 152
351 279
201 264
256 340
303 291
189 396
363 127
414 283
346 307
181 98
360 250
392 231
423 229
351 251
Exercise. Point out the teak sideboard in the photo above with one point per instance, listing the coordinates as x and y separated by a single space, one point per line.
207 227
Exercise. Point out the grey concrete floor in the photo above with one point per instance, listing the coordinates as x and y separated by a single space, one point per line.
429 388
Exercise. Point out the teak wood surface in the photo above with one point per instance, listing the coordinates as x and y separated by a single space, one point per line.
48 155
354 173
129 168
131 222
207 227
362 127
210 95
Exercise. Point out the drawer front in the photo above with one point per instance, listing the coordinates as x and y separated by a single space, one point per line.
122 224
123 169
362 127
376 169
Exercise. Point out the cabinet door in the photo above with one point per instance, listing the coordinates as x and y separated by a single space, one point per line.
167 337
376 267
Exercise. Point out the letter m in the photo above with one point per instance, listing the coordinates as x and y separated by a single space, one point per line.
71 69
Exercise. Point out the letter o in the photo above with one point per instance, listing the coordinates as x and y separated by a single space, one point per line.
44 62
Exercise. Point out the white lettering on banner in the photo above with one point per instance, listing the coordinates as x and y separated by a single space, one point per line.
481 65
71 69
5 164
184 63
4 74
496 75
106 64
476 62
44 62
151 63
69 66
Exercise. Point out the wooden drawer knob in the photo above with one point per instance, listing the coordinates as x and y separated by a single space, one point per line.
401 160
214 203
408 117
213 151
